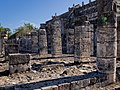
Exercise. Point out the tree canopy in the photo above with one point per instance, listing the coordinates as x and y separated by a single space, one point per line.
4 30
26 28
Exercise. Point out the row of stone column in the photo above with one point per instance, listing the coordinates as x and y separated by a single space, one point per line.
79 40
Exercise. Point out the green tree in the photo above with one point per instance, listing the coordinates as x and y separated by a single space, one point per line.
26 28
4 31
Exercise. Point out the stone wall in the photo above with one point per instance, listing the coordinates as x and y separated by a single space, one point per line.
25 44
91 83
11 48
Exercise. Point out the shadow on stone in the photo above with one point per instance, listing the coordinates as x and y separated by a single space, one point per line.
52 82
4 73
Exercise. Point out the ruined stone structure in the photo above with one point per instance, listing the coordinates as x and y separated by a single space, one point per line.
68 27
11 48
19 63
82 42
25 44
3 39
34 39
70 41
54 36
43 42
107 39
82 31
29 42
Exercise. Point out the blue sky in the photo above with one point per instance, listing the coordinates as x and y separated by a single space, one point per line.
13 13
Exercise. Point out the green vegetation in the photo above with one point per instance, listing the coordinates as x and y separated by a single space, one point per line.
26 28
5 31
104 19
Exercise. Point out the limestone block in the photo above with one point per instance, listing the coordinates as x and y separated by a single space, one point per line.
92 81
88 88
70 41
43 41
84 34
86 82
11 49
107 49
50 88
19 68
106 34
64 86
106 65
75 85
118 49
104 5
111 77
15 59
118 34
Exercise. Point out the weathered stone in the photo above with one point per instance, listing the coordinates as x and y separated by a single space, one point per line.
82 42
86 82
50 88
15 59
43 42
64 86
34 38
107 39
118 49
19 68
76 85
19 63
107 49
106 65
70 41
25 44
56 45
11 48
118 41
106 34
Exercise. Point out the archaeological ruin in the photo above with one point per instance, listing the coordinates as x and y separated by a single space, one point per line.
77 50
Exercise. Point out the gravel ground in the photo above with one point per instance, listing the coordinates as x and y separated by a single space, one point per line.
44 70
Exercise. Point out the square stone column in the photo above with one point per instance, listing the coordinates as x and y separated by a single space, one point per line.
43 42
56 36
70 41
34 39
107 39
82 43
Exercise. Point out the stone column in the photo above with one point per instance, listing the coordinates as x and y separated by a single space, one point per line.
91 30
70 41
34 38
82 43
56 36
1 47
43 42
106 40
118 40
